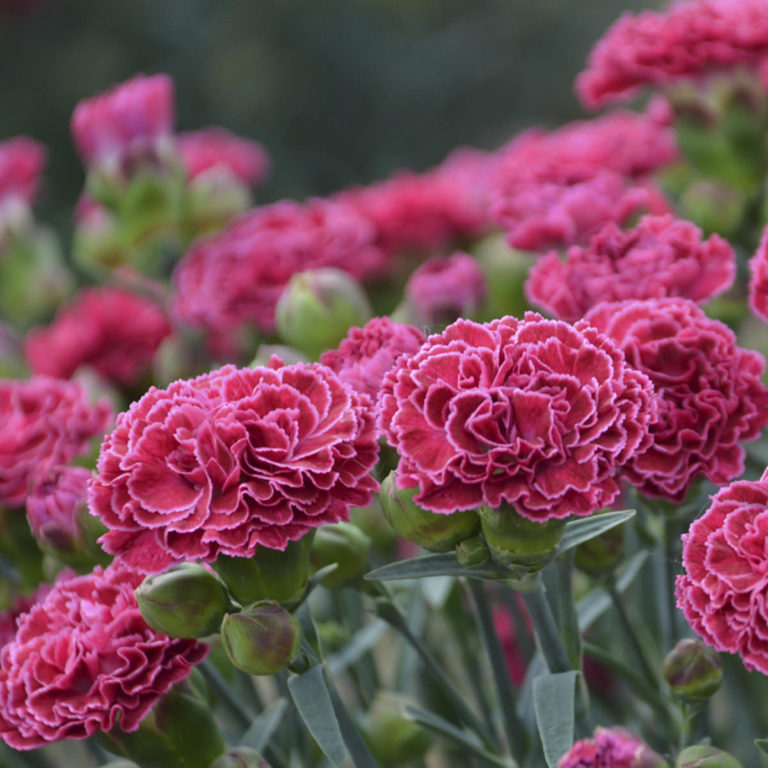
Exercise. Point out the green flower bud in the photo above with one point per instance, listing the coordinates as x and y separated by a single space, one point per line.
185 601
647 758
239 757
693 669
706 757
343 544
600 554
715 207
288 355
262 639
437 533
391 736
270 574
515 540
211 200
318 307
472 552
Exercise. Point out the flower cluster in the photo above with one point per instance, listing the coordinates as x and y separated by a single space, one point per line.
610 748
84 660
537 413
661 256
231 461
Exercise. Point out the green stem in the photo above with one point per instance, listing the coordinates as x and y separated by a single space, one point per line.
223 692
547 634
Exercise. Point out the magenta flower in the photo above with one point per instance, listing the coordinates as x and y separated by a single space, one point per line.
210 148
709 392
84 660
21 163
536 413
130 123
366 355
236 276
112 330
231 461
661 256
758 282
610 748
688 40
43 422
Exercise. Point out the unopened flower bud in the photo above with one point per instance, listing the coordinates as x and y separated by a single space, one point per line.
344 544
693 669
645 757
187 600
715 207
706 757
472 552
435 532
288 355
391 736
515 540
271 574
262 639
318 307
240 757
601 553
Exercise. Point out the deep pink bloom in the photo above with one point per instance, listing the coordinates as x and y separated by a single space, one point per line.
112 330
610 748
131 122
237 275
688 40
366 354
445 288
54 505
43 422
536 412
211 148
723 592
21 163
661 256
84 660
709 392
231 461
758 282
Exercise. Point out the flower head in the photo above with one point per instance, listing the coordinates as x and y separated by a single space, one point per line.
84 660
112 330
709 394
610 748
661 256
21 163
216 148
231 461
43 422
536 413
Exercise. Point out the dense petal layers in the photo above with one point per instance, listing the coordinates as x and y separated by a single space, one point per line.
610 748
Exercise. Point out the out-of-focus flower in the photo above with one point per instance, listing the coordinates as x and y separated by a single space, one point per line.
708 390
43 422
508 633
536 413
236 276
21 163
758 282
367 354
84 660
128 125
445 288
231 461
661 256
689 40
112 330
9 618
611 748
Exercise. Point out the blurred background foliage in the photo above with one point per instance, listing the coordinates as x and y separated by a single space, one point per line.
338 91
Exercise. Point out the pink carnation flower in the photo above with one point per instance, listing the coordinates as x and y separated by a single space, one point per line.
662 256
236 276
210 148
131 122
758 282
610 748
112 330
366 354
21 163
231 461
43 422
445 288
723 591
688 40
709 392
536 413
84 660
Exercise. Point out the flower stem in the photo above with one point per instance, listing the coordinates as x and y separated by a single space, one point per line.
547 634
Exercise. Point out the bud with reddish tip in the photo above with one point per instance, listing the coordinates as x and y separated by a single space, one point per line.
706 757
344 544
693 669
262 639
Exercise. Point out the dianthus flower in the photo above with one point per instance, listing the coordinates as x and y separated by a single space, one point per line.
366 354
723 592
112 330
537 413
231 461
709 392
661 256
43 422
688 40
237 275
610 748
758 282
130 123
21 163
84 660
445 288
210 148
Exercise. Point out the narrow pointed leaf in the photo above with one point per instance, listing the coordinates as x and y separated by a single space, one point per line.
361 642
762 745
258 735
586 528
432 565
554 702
